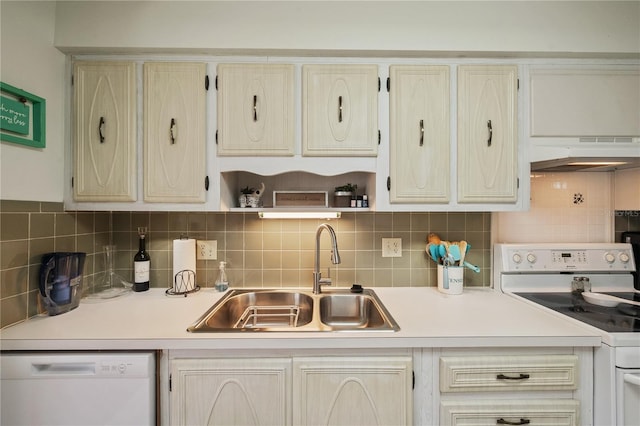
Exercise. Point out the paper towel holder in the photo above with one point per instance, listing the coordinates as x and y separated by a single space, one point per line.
183 283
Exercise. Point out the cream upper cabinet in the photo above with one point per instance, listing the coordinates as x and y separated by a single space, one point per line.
174 132
340 110
419 134
585 101
627 189
256 109
247 391
104 131
487 134
352 391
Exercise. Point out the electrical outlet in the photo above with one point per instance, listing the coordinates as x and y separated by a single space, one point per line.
206 250
392 247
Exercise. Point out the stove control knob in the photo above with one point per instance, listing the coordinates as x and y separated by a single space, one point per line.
624 257
517 258
531 258
609 257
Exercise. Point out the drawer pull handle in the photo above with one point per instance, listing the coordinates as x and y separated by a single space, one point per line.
505 377
502 421
421 132
172 130
490 128
100 128
255 108
339 109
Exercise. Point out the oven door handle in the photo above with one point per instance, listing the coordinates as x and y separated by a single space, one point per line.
633 379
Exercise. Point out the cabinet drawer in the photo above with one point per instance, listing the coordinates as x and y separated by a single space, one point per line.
511 412
508 373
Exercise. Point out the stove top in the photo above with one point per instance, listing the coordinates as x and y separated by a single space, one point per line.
622 318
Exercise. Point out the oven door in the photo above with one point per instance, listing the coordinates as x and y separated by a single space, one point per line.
628 383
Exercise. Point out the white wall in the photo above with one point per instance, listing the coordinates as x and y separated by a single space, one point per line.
30 62
385 27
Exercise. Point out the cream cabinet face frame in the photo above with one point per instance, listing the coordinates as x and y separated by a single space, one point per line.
340 110
104 131
174 132
256 113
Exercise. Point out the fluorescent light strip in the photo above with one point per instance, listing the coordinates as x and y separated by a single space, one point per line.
299 215
597 163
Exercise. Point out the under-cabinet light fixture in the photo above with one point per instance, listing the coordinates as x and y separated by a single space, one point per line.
597 163
299 215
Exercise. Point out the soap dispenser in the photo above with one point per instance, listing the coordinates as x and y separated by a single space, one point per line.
222 282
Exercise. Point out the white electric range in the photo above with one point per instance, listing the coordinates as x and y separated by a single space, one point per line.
554 276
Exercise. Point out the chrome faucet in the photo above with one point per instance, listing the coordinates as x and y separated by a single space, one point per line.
335 257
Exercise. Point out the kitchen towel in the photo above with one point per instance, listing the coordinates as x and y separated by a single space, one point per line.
184 265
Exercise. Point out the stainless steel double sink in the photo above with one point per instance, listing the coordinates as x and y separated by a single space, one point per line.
253 310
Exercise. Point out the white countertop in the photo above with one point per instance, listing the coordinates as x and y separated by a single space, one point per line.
479 317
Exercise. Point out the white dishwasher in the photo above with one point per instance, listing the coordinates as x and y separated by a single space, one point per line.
77 388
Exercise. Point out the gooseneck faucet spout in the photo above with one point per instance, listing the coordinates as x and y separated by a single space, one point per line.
335 257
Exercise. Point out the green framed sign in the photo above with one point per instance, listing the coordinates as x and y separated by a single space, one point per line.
22 117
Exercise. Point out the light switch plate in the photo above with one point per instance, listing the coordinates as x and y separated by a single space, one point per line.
206 249
392 247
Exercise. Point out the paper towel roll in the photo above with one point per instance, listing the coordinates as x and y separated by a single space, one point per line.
184 265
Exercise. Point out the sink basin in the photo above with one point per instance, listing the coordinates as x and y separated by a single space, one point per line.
257 310
351 311
295 310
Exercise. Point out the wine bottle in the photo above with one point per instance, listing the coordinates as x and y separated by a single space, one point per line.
141 264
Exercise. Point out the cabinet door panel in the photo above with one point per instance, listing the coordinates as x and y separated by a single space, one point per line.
487 134
174 127
419 138
105 131
230 391
255 109
340 110
585 102
352 391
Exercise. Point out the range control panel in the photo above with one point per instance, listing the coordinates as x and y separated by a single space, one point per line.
587 257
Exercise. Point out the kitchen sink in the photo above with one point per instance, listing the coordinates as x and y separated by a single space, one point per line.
295 310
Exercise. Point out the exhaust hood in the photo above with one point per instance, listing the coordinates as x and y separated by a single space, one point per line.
588 154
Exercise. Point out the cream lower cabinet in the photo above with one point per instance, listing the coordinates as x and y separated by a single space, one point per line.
104 131
487 134
352 391
506 389
283 391
419 163
244 391
340 110
174 132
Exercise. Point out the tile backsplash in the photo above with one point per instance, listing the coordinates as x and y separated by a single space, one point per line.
565 207
260 253
30 229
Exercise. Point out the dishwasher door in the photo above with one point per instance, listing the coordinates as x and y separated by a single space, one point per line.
77 388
